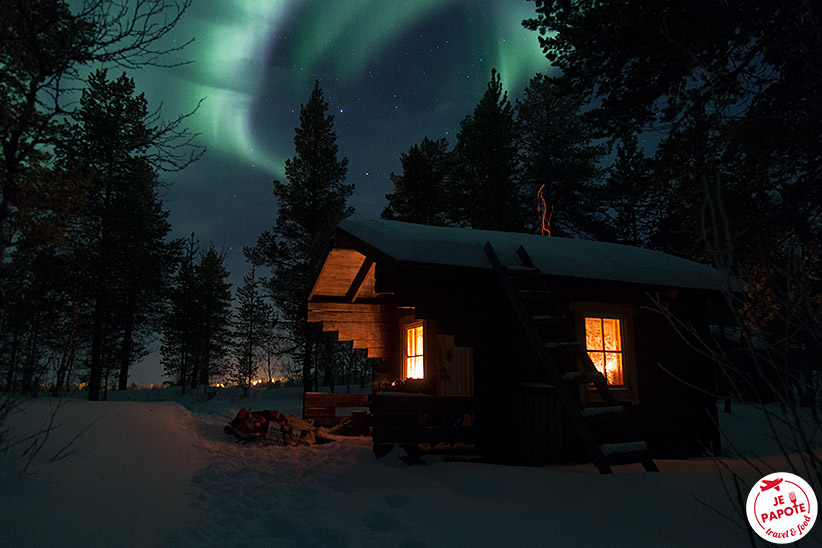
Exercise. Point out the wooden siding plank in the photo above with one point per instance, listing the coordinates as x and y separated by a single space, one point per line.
324 399
456 368
319 307
339 270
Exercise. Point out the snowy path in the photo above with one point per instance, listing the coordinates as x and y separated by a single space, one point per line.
156 474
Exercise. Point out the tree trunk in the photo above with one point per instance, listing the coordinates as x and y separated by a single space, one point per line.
10 375
205 361
308 356
28 382
184 359
95 376
128 334
9 194
69 349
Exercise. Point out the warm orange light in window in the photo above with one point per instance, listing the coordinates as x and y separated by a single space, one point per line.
604 344
413 352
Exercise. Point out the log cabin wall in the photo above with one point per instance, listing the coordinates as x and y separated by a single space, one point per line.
345 300
672 385
475 346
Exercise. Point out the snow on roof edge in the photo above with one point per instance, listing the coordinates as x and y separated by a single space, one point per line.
574 258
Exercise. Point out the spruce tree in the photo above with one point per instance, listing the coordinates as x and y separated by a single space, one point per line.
486 165
253 319
45 47
631 195
559 159
213 318
196 335
124 234
179 333
310 204
421 193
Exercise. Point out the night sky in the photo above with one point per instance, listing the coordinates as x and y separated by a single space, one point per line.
392 73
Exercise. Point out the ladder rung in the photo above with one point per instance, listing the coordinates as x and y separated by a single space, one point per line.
549 320
533 294
561 344
582 378
516 269
601 412
528 275
614 451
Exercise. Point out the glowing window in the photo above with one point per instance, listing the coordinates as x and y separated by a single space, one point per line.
604 344
414 352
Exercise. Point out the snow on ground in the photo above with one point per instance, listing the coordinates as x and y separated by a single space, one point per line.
163 473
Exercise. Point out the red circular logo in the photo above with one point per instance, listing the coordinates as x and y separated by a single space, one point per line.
781 508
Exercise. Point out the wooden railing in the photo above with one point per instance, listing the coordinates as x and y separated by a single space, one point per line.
408 420
321 407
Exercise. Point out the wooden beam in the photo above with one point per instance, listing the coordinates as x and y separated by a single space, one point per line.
356 285
377 352
344 317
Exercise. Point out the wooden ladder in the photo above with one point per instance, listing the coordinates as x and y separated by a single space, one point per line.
525 283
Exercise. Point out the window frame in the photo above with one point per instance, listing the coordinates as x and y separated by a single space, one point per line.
603 350
406 327
626 392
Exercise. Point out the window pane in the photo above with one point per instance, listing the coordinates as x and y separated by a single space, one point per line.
613 367
599 361
409 342
414 368
603 340
610 330
593 334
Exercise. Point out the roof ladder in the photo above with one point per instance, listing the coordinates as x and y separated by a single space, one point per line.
523 283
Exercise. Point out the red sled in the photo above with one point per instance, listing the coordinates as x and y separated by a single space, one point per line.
251 425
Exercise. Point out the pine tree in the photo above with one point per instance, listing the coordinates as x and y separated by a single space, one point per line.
179 334
196 334
253 319
633 198
44 47
125 226
421 193
213 318
559 159
486 166
310 204
44 283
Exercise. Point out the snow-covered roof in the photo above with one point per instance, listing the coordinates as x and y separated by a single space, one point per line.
463 247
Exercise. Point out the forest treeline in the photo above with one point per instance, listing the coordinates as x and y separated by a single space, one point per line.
702 144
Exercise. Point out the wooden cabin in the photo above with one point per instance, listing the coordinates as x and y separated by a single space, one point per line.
441 321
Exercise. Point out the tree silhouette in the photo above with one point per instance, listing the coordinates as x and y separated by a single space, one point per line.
124 227
44 48
559 157
486 177
421 194
310 204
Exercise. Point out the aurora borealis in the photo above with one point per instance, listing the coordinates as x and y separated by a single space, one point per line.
392 72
